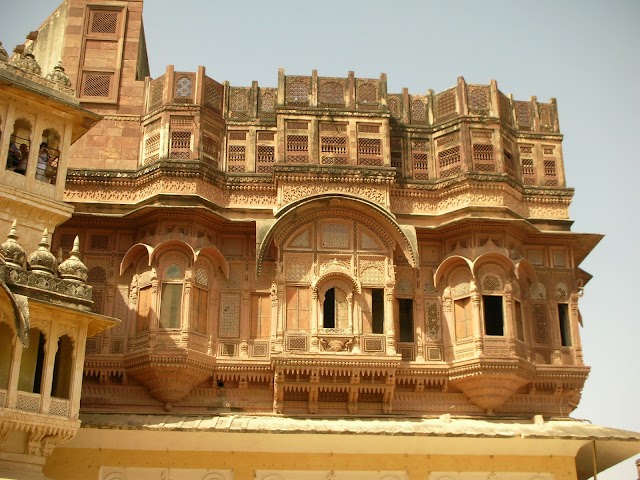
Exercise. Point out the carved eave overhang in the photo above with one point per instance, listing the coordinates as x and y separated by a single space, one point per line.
445 435
334 362
96 323
25 87
581 243
145 174
440 201
164 183
283 172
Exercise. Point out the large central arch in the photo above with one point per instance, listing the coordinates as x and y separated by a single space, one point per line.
266 231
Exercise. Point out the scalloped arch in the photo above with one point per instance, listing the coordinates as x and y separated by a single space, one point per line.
134 254
212 253
448 264
498 258
167 245
341 275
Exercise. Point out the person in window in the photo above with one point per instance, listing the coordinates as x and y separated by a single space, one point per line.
13 159
43 160
24 159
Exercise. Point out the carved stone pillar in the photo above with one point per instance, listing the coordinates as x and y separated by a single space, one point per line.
280 317
478 327
14 373
575 328
274 314
155 316
447 307
314 320
245 319
388 320
76 377
50 349
509 320
418 323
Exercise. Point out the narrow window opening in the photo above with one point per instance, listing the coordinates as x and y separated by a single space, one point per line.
329 309
406 319
62 369
32 363
377 310
493 315
565 324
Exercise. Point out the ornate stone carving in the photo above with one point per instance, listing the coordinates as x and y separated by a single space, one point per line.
58 76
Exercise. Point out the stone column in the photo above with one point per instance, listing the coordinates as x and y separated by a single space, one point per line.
389 327
50 349
245 319
314 320
75 389
478 327
14 373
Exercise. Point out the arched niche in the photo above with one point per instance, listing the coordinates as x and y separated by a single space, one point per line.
294 216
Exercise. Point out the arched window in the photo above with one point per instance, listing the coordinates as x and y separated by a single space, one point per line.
48 156
493 303
63 366
32 363
19 147
335 309
171 297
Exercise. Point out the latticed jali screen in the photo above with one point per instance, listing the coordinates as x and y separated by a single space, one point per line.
333 144
420 157
96 84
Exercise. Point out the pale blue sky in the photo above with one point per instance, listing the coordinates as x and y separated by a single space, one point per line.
584 53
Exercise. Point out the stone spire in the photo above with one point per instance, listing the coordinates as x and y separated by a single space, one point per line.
12 251
58 76
3 54
42 260
27 61
72 268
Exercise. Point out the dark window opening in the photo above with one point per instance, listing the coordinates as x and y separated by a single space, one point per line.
329 309
565 324
406 319
493 315
377 310
63 366
32 363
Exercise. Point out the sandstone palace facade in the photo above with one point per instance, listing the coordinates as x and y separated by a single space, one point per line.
260 270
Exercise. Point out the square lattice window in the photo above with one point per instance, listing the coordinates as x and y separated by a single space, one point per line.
96 84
